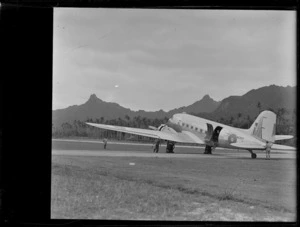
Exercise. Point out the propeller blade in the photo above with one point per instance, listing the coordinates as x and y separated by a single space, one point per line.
152 127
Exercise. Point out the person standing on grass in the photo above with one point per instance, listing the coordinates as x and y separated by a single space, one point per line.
156 146
104 143
268 150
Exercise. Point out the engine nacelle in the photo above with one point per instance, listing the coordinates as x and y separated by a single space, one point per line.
161 127
165 128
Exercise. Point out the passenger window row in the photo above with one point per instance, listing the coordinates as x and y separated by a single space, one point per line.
192 127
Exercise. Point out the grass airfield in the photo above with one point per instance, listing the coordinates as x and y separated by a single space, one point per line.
130 182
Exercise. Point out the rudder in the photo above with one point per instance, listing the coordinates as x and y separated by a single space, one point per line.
264 126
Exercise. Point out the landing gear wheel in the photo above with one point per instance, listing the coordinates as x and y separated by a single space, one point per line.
253 155
207 150
170 147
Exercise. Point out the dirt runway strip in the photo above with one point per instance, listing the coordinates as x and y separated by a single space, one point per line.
126 149
114 153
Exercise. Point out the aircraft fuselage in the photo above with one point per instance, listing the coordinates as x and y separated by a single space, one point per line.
213 133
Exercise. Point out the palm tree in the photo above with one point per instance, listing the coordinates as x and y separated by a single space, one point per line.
294 117
127 118
281 121
231 120
101 120
165 120
155 122
144 122
259 107
248 120
138 121
239 123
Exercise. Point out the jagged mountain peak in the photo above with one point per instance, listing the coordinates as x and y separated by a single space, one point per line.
93 98
206 97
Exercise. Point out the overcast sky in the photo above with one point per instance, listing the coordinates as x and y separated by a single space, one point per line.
155 59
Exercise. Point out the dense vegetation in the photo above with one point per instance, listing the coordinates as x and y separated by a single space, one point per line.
80 129
286 124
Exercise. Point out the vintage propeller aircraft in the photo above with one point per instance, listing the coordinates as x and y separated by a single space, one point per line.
185 128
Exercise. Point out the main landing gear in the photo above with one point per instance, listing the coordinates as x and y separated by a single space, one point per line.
170 147
253 155
207 149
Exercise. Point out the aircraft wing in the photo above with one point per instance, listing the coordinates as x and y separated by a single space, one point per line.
262 147
182 137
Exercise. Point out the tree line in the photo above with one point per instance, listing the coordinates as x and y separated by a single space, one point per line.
80 129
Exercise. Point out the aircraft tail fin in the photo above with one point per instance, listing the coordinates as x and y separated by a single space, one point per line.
264 126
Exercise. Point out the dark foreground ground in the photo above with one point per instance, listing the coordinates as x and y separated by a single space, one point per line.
130 182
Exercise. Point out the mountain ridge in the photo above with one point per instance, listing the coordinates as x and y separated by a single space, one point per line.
97 108
269 97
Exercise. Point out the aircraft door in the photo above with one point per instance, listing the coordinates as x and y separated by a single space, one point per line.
213 134
216 133
209 132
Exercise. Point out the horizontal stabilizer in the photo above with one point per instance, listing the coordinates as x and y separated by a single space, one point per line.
248 145
262 147
283 137
283 147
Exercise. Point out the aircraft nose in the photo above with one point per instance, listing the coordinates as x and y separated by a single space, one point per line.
172 122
